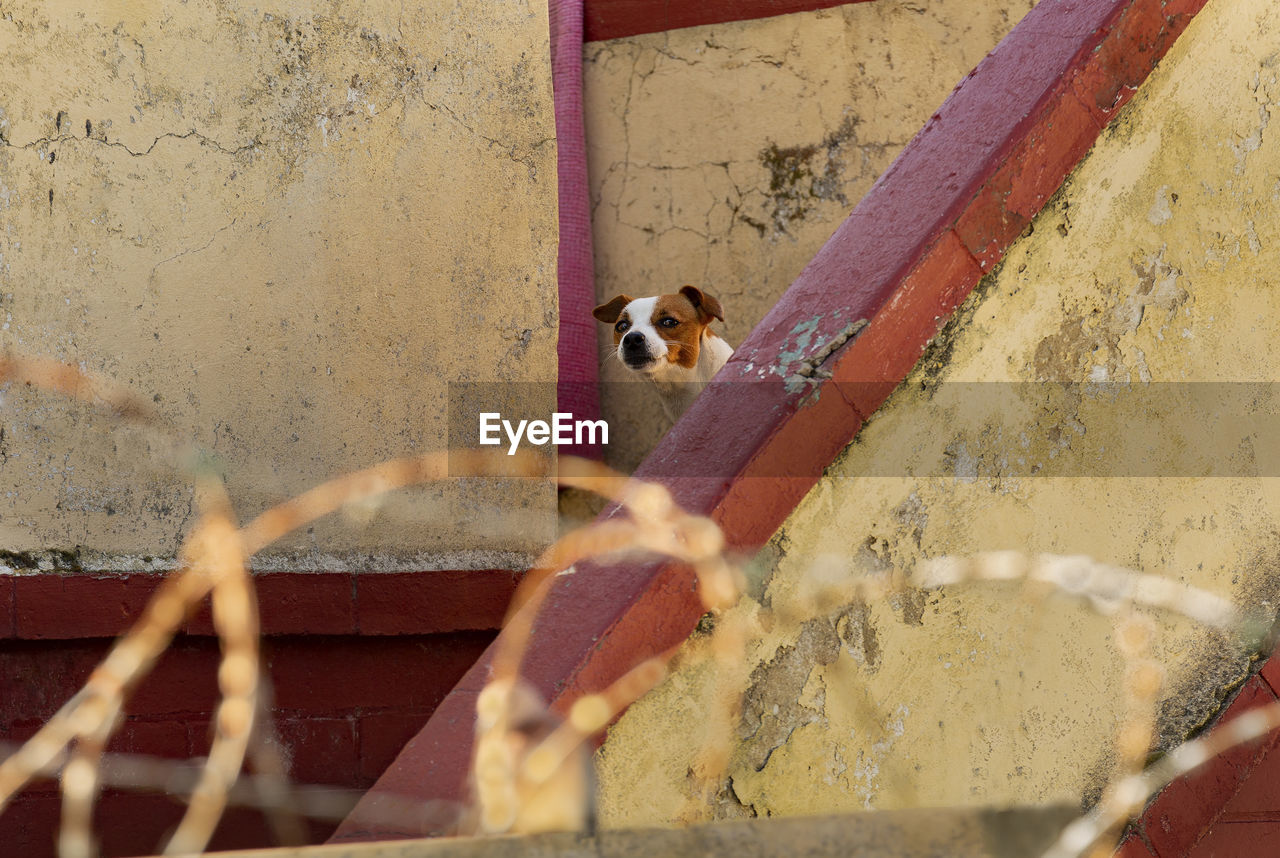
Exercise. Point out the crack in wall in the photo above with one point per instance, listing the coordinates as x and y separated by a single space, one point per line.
41 144
509 149
299 183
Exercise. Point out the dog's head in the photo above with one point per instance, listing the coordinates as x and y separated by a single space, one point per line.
665 331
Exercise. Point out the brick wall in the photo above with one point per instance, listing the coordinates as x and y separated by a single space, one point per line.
357 662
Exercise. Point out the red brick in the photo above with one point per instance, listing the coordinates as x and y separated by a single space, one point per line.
783 469
608 616
138 824
987 225
1031 174
431 768
413 603
295 603
661 617
729 425
1253 693
8 620
1136 42
320 603
1176 820
328 675
29 825
1180 12
200 735
1049 153
1142 35
755 507
128 824
801 448
68 606
183 680
1184 810
477 676
1270 674
1260 793
338 675
870 368
62 606
134 823
1237 839
320 750
382 737
1099 91
166 738
37 677
1133 847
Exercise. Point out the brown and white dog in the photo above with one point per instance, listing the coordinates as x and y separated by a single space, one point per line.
668 339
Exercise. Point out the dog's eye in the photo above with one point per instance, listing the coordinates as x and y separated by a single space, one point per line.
668 322
622 326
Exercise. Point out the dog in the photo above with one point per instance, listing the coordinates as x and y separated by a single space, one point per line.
668 339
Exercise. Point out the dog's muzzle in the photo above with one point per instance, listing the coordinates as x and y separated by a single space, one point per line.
635 351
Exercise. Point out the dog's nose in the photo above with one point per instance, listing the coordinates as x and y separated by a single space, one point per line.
633 342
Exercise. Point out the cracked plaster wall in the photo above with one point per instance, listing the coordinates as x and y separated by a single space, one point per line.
289 225
1156 262
724 156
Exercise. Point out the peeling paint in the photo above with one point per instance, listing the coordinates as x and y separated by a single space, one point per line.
772 708
1155 263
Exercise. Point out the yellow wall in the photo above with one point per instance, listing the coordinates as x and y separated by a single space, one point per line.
289 225
724 156
1157 261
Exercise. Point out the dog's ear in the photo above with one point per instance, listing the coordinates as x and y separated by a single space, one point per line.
706 305
609 313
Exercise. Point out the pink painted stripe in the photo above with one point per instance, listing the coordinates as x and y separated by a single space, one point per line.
578 391
945 211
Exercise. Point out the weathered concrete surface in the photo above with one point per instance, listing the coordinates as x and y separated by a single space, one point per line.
1156 262
934 833
290 225
724 156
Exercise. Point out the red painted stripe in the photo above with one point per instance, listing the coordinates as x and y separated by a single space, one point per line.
914 248
614 19
57 606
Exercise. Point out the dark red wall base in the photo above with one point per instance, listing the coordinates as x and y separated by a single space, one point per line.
357 662
344 706
131 824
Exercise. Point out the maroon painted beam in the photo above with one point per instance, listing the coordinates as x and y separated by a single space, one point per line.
614 19
762 433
